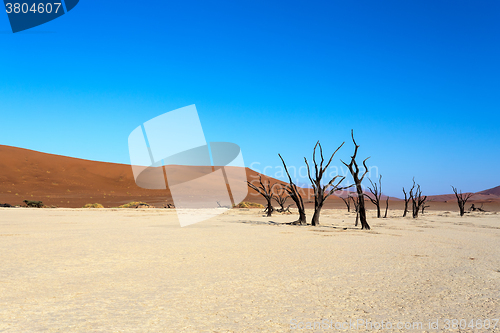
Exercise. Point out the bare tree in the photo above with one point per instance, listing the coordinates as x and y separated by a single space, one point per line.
354 169
355 202
347 202
424 206
417 199
294 193
462 199
376 191
407 200
473 208
281 197
266 191
322 192
386 207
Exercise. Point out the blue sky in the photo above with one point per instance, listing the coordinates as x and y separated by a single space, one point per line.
418 81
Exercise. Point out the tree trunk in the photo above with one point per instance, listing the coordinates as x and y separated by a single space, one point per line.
386 207
302 218
406 208
378 211
347 203
462 199
300 206
265 191
269 207
317 213
361 207
362 215
354 170
415 210
356 209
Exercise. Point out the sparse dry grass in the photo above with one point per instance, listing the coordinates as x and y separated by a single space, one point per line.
245 204
133 204
94 205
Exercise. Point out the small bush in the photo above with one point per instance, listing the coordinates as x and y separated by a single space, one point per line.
134 204
94 205
245 204
35 204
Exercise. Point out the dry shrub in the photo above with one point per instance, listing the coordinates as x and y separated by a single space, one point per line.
94 205
245 204
133 204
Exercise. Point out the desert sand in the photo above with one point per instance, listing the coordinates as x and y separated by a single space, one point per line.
109 270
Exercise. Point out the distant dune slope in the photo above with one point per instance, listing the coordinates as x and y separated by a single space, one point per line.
71 182
492 191
483 196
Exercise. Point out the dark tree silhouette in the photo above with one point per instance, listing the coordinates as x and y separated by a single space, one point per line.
281 197
424 206
462 199
417 199
473 208
294 193
347 202
376 191
407 200
356 209
266 191
354 169
322 192
386 207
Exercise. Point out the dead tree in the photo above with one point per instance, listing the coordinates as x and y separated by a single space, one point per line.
376 191
424 206
347 202
294 193
473 208
287 209
356 209
266 191
322 192
354 169
462 200
281 197
386 207
417 199
407 200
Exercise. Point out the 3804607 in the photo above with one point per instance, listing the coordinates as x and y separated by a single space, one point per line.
454 324
40 8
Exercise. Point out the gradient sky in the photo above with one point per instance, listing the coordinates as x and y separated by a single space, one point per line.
417 80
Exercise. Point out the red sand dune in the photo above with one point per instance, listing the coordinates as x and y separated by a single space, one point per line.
71 182
483 196
492 191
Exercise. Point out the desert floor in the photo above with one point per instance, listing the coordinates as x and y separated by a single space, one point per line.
76 270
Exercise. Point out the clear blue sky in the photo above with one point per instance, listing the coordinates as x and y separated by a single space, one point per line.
418 81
